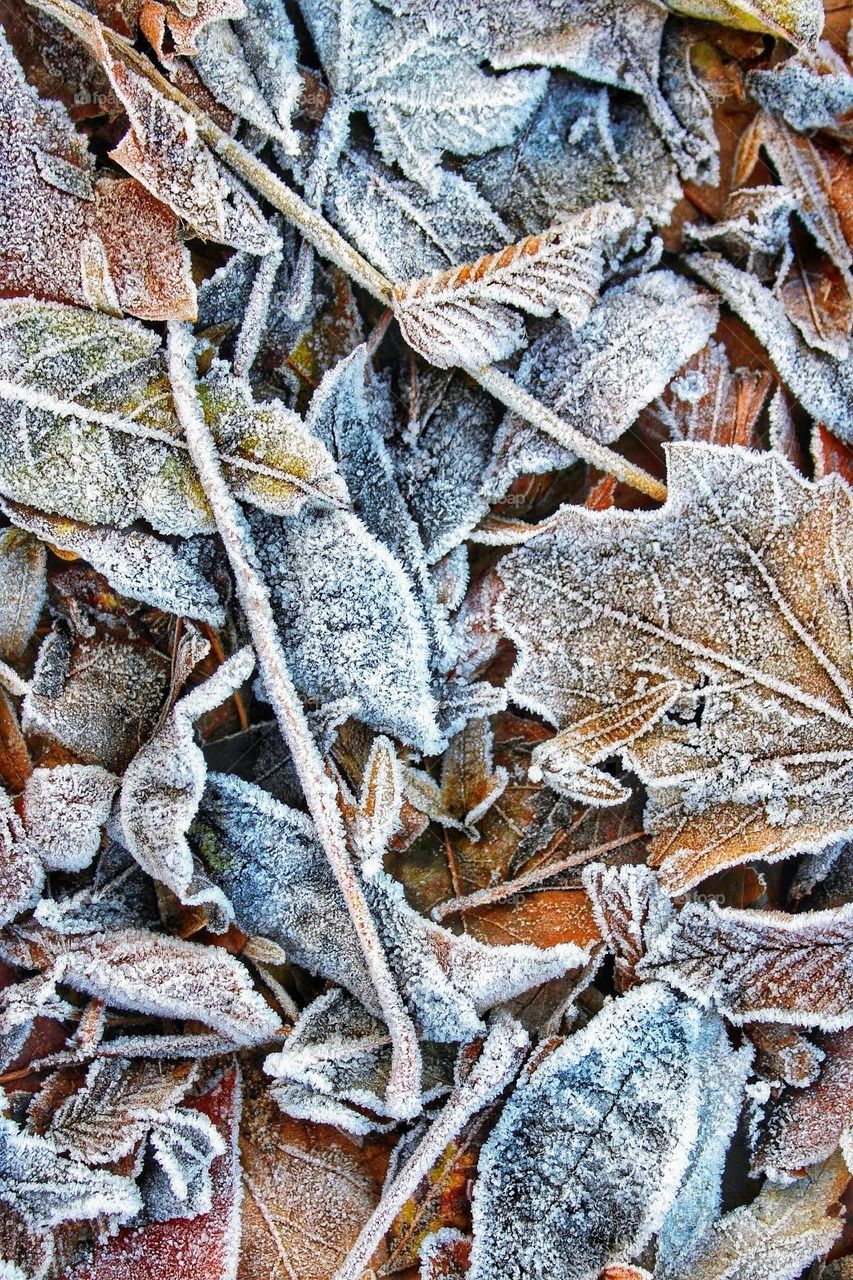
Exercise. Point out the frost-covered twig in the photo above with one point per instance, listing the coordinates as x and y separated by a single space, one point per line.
497 1064
332 246
403 1095
500 892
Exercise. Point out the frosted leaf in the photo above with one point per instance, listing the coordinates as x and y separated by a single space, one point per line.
90 431
22 591
163 785
597 383
785 1055
250 68
149 973
308 1192
465 316
64 811
614 43
21 872
115 1107
800 167
754 229
206 1245
810 91
99 698
761 966
71 233
184 20
630 911
581 147
681 83
709 401
351 412
25 1252
405 230
698 1202
718 588
590 1150
177 1183
450 981
349 621
172 576
422 94
163 151
338 1053
780 1233
800 21
444 1255
441 472
265 858
47 1188
803 1126
470 784
823 386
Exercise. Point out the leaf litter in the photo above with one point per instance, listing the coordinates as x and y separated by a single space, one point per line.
426 640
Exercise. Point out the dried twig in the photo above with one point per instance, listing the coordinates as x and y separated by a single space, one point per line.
403 1095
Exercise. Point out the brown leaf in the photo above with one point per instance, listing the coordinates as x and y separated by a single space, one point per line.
802 1126
719 603
71 234
307 1192
761 966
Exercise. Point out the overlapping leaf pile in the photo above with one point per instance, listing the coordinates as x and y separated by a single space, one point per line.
426 640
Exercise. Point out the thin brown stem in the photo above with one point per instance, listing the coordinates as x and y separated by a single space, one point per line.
320 792
500 892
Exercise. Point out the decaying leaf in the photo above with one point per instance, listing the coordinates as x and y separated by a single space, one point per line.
734 959
748 759
72 234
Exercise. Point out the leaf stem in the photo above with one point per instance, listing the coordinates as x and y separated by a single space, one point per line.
332 246
403 1095
499 1060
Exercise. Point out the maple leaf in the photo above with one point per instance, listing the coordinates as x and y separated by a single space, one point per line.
90 396
745 761
72 234
764 966
616 1109
464 316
